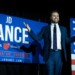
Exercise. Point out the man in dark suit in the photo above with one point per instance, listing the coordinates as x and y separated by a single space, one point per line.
55 39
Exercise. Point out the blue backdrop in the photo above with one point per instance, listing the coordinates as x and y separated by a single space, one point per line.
13 35
72 30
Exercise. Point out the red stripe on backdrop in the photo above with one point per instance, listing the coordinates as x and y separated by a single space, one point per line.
73 62
73 72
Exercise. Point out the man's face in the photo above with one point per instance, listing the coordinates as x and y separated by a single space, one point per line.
55 17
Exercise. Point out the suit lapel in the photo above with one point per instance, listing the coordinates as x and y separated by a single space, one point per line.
62 32
49 32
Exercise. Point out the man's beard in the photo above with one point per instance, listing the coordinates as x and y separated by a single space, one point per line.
54 21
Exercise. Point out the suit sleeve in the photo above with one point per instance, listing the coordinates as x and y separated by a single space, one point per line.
38 36
68 39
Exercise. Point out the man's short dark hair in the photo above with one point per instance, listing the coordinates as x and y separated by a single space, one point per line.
53 12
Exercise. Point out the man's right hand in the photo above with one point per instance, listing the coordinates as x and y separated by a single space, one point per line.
27 26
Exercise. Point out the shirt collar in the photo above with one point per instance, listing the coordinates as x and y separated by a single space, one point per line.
52 24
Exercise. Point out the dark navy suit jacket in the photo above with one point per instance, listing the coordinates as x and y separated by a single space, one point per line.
45 34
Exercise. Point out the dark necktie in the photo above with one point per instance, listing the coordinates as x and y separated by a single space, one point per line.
54 38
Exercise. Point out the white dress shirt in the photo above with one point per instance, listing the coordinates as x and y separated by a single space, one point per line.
58 36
